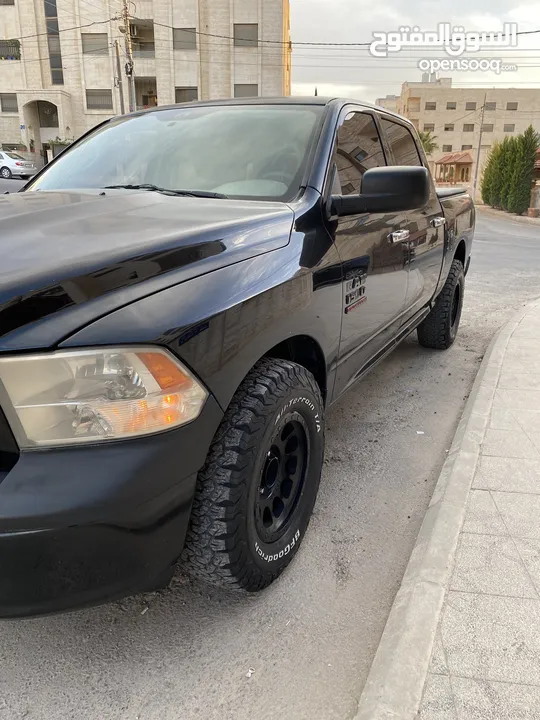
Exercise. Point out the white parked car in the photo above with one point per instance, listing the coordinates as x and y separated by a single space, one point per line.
13 165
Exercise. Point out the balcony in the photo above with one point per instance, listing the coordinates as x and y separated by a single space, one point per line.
144 50
143 47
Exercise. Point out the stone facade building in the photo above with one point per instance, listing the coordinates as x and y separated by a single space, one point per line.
454 116
58 68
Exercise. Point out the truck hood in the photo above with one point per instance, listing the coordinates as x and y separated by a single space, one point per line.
70 257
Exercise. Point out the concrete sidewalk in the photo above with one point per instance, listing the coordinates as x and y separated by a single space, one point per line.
462 641
524 219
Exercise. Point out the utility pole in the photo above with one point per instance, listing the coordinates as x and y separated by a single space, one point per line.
130 73
119 75
479 147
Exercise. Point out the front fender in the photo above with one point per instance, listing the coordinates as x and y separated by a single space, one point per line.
220 324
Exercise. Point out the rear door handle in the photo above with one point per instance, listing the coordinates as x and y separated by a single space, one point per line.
399 236
438 221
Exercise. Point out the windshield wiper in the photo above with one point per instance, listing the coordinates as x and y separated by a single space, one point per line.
167 191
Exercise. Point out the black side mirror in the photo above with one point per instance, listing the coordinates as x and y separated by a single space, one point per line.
387 189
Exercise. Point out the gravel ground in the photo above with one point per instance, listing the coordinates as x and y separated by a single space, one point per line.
307 642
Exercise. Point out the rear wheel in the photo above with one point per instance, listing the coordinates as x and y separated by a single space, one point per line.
5 172
256 492
439 329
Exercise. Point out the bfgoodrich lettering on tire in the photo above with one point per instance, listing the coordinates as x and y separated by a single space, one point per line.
256 492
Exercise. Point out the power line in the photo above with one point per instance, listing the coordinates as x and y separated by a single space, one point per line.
290 42
259 42
76 27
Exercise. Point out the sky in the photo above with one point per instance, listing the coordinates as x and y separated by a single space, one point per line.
354 72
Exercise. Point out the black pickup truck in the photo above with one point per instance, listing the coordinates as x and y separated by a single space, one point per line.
183 293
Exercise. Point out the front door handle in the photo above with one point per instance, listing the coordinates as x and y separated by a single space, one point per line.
399 236
438 221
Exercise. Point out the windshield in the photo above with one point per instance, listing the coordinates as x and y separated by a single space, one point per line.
242 151
14 156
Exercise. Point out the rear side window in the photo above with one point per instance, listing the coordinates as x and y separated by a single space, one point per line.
358 149
402 143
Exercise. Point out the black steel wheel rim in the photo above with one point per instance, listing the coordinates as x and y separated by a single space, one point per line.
282 480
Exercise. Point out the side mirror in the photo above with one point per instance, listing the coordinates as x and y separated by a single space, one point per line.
387 189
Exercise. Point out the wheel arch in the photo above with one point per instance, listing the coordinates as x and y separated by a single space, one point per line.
461 252
306 351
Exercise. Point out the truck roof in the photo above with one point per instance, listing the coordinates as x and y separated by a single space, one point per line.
290 100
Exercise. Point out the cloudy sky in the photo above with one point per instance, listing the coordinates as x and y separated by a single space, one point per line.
355 73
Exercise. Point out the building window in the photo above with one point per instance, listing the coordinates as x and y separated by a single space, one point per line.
449 127
509 128
466 147
447 148
53 40
431 106
429 127
186 94
511 106
242 91
184 39
8 103
468 127
95 43
7 2
99 100
246 35
451 105
491 106
470 106
487 127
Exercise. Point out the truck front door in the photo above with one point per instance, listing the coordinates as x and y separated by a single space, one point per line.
374 267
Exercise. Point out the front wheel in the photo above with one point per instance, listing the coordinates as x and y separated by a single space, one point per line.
256 492
439 329
5 172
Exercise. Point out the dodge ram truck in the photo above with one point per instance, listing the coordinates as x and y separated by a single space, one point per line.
184 292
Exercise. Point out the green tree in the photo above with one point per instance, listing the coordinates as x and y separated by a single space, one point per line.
519 196
512 149
503 157
489 173
428 141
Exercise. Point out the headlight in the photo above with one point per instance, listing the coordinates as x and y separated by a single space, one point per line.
91 395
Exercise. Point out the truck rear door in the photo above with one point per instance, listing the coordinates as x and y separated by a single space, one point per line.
425 226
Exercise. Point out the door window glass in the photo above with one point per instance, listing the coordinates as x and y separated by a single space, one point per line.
358 149
402 143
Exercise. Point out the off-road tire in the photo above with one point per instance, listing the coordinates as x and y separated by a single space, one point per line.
439 329
223 544
5 173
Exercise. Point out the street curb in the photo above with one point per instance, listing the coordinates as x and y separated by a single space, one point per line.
395 683
508 216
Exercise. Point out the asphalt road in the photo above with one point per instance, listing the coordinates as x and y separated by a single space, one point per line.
186 652
10 185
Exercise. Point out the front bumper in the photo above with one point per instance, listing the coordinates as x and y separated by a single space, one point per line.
85 525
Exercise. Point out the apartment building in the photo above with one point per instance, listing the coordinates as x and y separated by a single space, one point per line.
389 102
59 68
454 116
